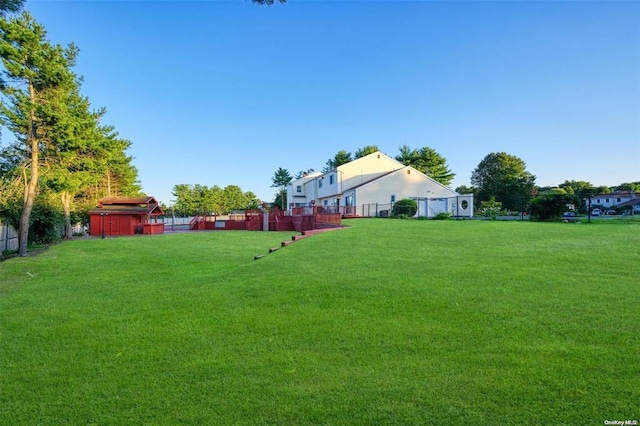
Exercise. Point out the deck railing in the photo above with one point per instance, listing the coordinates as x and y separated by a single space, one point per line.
315 210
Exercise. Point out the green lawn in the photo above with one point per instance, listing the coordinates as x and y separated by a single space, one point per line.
384 322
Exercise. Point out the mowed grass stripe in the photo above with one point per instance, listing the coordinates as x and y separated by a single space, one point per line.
386 321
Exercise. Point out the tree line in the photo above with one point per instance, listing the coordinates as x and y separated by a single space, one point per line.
201 199
504 178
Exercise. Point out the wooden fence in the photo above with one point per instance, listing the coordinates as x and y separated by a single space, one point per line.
8 238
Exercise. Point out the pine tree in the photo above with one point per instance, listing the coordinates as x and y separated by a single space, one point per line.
428 161
36 78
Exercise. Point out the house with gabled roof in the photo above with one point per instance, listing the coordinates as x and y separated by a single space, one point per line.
370 185
615 199
126 216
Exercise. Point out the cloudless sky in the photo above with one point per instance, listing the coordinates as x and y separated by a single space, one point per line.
225 92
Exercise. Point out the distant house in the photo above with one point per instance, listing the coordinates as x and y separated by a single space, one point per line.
126 216
370 185
617 199
633 205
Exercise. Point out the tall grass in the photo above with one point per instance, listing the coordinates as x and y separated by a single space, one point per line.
386 321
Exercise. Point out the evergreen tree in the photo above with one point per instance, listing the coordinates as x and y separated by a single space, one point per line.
341 157
281 178
71 160
428 161
36 78
9 6
366 150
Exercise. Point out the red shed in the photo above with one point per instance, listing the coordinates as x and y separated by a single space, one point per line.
126 216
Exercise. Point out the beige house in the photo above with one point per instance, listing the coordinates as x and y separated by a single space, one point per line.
370 185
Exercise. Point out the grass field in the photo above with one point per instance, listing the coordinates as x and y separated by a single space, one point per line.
384 322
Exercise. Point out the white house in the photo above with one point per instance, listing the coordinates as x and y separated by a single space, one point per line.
627 200
370 185
614 199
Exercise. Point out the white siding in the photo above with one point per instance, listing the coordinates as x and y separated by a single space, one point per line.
366 169
403 185
410 183
374 179
307 190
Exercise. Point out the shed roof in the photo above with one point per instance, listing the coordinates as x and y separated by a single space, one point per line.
127 200
128 205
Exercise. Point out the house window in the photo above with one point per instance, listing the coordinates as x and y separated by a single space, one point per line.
325 202
606 200
393 198
299 188
320 183
618 199
331 180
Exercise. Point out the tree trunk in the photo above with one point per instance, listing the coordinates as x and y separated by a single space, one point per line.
66 206
32 185
108 183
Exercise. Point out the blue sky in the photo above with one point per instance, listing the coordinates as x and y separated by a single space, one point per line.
225 92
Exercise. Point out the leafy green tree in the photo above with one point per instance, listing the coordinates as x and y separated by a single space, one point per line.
200 199
234 198
428 161
580 188
603 190
463 189
281 178
629 186
504 177
551 205
341 157
366 150
36 77
185 201
252 200
213 199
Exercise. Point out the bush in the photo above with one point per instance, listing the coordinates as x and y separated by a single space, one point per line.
491 208
406 206
442 216
550 207
46 223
